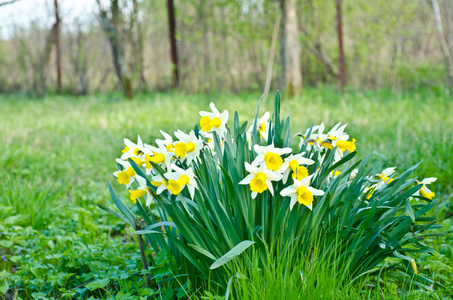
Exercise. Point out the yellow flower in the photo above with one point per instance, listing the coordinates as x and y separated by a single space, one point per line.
300 173
262 126
132 149
175 186
214 121
424 191
293 164
177 180
137 194
260 179
304 196
273 161
125 176
270 156
188 147
346 145
301 192
258 183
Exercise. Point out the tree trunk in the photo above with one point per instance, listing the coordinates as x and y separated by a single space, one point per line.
112 27
58 46
291 48
138 45
443 42
173 49
340 45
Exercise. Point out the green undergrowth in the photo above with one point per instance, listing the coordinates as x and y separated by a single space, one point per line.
56 153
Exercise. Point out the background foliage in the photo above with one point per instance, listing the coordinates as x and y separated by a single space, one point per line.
224 45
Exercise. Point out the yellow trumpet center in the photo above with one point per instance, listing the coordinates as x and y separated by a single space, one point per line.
258 183
273 161
304 196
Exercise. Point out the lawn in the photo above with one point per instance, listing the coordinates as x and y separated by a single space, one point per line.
57 153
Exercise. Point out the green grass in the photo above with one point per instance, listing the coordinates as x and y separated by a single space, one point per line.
57 153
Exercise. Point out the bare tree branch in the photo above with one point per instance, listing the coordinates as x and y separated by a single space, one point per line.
8 2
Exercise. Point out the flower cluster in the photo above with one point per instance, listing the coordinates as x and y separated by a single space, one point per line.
173 156
270 165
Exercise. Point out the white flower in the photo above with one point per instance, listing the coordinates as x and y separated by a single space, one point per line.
188 147
214 121
179 179
294 163
132 150
260 179
262 126
301 192
270 156
424 191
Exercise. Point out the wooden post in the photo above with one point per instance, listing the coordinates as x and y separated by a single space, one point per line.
173 49
340 45
58 46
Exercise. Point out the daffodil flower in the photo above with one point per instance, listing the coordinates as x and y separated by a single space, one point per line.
375 187
167 141
188 147
293 163
262 126
159 155
301 191
270 156
260 179
180 178
214 121
132 149
141 191
386 174
315 137
159 182
127 175
337 132
424 191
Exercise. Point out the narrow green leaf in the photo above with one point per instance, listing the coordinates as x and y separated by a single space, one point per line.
203 251
121 206
114 213
232 254
409 210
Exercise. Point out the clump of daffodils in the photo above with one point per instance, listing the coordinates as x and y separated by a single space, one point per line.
270 165
223 184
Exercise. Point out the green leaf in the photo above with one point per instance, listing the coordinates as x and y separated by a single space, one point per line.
232 254
114 213
409 210
5 287
203 251
6 244
122 207
98 284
